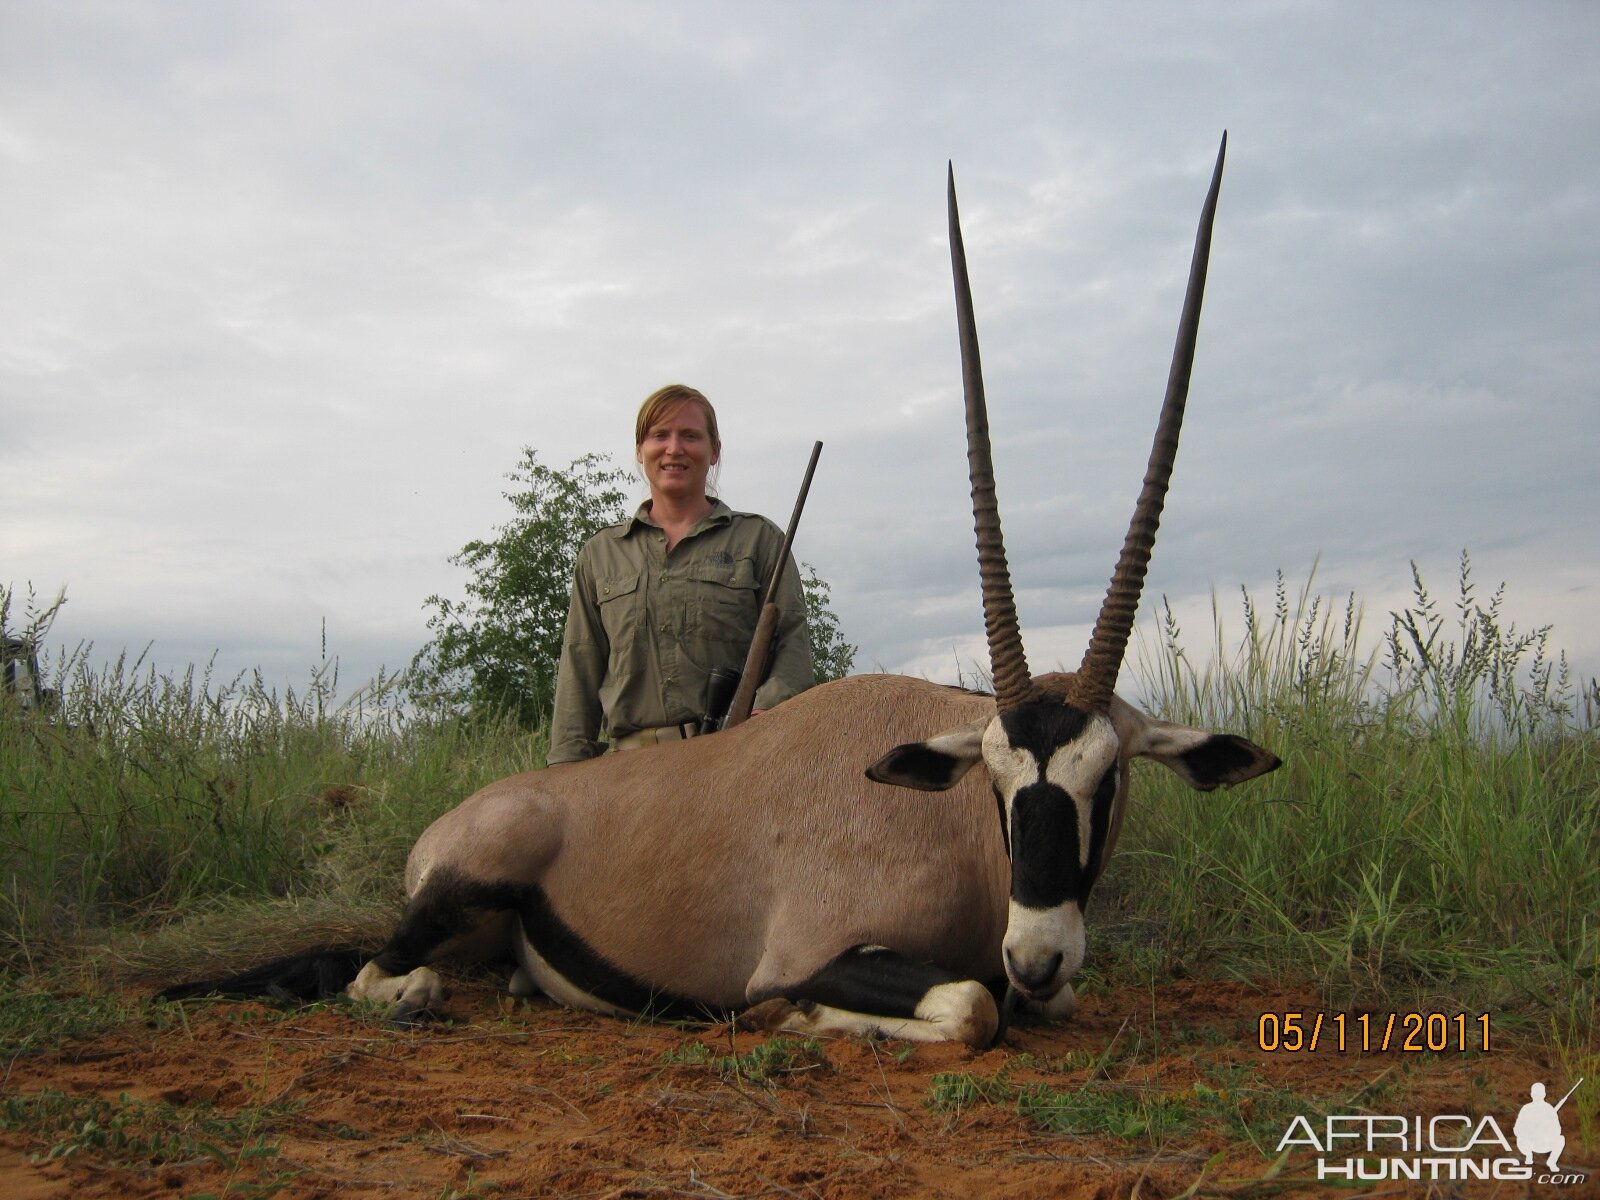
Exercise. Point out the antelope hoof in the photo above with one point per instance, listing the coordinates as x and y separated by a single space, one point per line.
522 984
407 1016
767 1017
410 995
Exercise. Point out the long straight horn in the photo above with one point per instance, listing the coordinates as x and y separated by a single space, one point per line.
1103 659
1013 685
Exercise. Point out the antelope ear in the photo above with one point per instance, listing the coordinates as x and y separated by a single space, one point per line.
1202 759
934 765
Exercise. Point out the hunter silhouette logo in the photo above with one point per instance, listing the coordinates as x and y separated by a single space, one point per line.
1538 1127
1366 1148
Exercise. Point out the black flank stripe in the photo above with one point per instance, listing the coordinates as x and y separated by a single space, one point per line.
451 904
870 980
578 963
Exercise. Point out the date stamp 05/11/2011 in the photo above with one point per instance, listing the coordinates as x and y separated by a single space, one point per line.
1373 1033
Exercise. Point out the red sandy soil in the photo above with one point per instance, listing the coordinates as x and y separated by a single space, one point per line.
527 1099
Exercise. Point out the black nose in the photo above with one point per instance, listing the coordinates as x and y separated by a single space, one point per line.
1036 980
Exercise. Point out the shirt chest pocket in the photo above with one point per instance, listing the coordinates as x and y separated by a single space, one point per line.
620 602
726 601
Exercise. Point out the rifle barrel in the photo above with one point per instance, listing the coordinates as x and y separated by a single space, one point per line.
759 658
794 523
1570 1090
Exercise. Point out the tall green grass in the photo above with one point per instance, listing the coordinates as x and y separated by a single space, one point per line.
1434 832
142 796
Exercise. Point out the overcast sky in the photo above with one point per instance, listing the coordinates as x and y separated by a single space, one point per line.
286 287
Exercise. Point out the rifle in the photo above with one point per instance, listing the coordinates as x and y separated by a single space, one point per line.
759 661
719 695
1568 1096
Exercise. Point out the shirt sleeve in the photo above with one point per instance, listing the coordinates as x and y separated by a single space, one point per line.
575 722
791 672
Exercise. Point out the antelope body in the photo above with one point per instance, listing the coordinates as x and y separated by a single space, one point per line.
796 868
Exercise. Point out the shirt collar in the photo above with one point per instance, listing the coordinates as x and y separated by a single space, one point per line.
720 514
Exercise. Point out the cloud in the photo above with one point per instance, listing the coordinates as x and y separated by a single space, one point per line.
287 288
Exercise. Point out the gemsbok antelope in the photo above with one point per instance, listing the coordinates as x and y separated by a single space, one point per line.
793 869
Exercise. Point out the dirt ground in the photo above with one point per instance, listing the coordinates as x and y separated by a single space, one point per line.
527 1099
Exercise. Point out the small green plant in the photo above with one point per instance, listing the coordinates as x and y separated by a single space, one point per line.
1098 1106
1131 1108
473 1189
129 1132
1125 1111
695 1054
33 1018
765 1062
780 1056
961 1090
259 1188
1252 1108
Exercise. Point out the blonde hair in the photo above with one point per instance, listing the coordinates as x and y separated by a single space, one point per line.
662 401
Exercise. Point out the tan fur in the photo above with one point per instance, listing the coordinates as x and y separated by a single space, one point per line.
764 849
728 868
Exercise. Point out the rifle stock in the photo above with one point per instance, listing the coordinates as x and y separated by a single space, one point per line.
759 660
756 665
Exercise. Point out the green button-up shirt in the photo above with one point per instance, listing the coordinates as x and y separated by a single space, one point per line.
645 628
